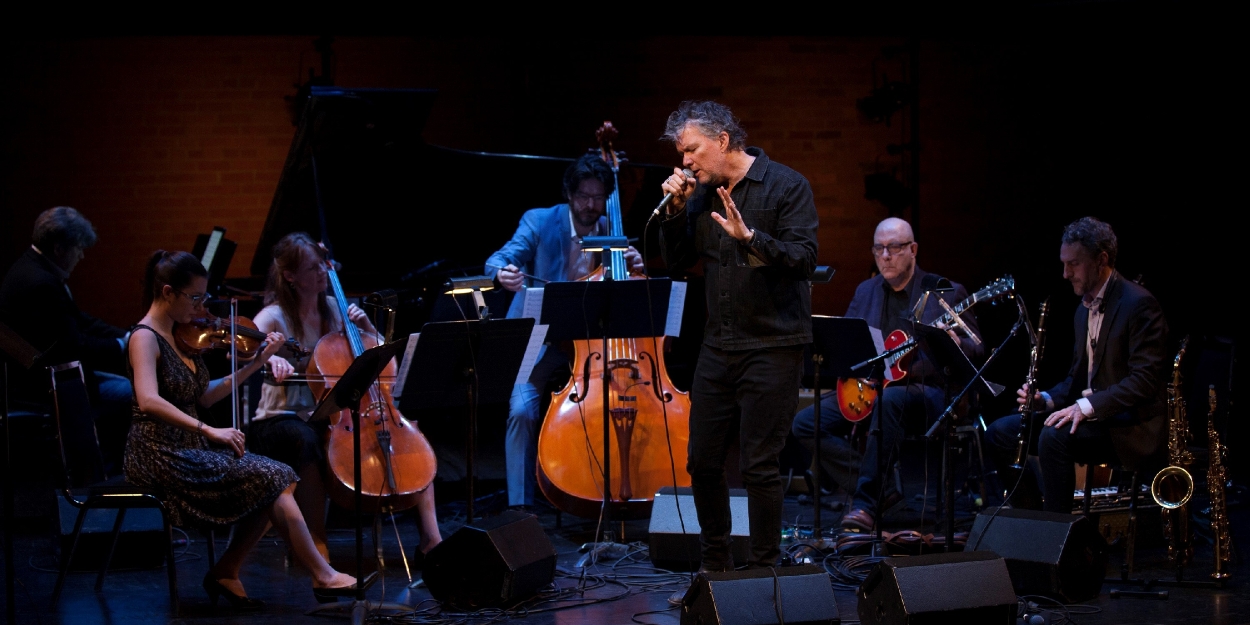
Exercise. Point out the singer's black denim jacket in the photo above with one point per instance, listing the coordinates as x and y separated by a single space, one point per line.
758 295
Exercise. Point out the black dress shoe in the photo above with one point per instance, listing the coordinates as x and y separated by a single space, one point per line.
215 589
329 595
857 519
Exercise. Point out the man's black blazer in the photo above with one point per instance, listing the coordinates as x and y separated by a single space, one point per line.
1130 366
35 303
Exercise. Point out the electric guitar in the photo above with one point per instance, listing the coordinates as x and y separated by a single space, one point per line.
857 395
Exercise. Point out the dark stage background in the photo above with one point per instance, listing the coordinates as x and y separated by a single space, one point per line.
156 139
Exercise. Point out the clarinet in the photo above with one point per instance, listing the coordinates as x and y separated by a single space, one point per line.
1030 388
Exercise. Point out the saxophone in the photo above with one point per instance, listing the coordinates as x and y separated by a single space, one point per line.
1174 485
1028 414
1216 481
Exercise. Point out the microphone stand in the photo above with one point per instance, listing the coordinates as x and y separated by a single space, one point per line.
943 422
878 375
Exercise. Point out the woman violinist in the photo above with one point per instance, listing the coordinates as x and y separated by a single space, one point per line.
297 306
202 473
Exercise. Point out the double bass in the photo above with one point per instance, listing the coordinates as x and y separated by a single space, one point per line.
650 419
397 462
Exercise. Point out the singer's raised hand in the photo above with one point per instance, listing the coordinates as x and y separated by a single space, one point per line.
680 187
732 221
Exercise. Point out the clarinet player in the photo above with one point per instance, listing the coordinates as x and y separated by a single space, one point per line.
1111 408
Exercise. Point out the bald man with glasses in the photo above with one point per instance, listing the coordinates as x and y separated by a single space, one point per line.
886 302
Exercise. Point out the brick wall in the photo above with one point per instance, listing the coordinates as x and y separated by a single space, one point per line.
158 139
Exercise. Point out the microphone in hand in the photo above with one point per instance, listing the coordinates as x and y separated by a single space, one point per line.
668 198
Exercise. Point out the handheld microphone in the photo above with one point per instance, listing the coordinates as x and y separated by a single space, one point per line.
664 202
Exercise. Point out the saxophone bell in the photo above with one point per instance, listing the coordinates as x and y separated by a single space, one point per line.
1172 487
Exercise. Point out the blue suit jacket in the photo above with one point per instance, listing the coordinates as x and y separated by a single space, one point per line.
539 248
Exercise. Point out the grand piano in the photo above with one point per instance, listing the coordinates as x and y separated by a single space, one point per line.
402 214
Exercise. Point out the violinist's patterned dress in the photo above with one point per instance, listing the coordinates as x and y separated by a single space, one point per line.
201 485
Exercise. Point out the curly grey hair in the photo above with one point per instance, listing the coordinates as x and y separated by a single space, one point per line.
62 225
711 118
1093 235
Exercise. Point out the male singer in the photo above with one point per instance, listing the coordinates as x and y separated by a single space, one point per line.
751 222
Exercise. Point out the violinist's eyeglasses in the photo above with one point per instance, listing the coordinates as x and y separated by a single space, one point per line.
195 299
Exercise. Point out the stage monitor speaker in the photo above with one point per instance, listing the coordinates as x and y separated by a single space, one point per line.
966 587
494 562
675 550
140 545
794 595
1047 553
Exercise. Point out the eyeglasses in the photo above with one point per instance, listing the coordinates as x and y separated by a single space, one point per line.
895 248
195 299
582 197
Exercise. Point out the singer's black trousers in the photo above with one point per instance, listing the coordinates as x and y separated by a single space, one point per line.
754 394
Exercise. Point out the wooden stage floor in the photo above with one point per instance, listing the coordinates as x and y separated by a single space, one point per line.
621 591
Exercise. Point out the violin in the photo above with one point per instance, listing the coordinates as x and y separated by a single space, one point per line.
208 332
649 418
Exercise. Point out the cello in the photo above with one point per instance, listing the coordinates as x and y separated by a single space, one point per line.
397 462
650 419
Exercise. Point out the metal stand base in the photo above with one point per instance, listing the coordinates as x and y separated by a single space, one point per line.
357 610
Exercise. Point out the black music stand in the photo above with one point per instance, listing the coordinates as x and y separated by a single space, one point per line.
838 343
608 309
464 363
346 395
12 347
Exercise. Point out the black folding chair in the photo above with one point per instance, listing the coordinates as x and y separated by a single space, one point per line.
80 458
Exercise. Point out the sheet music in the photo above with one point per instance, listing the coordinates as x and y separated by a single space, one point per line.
210 250
537 338
533 306
877 341
676 305
398 389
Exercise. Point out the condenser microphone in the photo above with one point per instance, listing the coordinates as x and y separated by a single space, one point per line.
664 202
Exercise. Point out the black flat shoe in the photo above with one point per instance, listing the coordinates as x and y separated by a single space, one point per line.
329 595
215 589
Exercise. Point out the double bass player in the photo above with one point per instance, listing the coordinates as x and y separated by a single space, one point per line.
547 247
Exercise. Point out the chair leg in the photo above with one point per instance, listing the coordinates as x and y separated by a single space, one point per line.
117 532
1089 490
211 536
170 564
73 546
1131 534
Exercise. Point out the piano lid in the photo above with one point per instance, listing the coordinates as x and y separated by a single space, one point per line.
395 204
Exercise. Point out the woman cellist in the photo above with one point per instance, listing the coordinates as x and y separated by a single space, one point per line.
297 305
